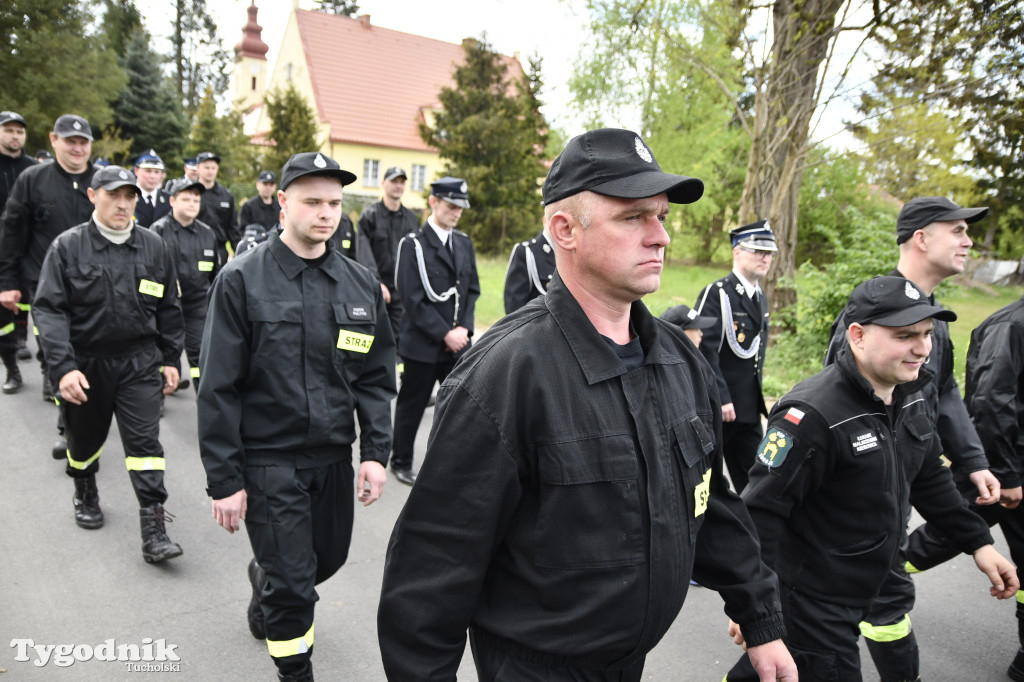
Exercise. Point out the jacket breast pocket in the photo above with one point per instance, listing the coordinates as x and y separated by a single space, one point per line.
694 445
276 332
86 285
149 288
589 514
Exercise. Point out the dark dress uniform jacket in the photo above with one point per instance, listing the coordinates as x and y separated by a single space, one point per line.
45 201
218 211
146 215
739 380
960 440
834 480
421 335
113 299
530 269
564 503
384 229
194 248
289 352
994 390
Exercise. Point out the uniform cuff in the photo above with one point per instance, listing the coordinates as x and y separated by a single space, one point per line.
374 453
764 631
226 488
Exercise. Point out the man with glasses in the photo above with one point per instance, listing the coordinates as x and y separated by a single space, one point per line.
735 346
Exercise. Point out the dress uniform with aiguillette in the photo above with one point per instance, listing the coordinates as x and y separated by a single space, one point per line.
736 348
530 269
110 310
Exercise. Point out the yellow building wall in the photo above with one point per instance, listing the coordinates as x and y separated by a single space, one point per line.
352 157
244 95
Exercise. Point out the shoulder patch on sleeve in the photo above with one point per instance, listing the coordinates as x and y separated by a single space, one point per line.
774 447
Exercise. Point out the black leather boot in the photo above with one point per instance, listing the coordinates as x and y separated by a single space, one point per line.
87 503
47 388
156 546
14 382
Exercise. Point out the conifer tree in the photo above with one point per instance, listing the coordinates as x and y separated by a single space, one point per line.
293 126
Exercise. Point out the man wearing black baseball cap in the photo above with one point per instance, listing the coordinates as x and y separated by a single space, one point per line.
218 206
573 464
111 329
44 201
830 490
932 234
689 320
262 209
297 344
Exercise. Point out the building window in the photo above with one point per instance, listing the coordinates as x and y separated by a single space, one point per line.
288 71
419 177
371 173
254 83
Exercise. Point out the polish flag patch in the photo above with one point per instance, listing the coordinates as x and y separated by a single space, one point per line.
794 416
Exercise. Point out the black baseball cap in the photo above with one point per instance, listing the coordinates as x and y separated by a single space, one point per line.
313 163
112 177
615 163
181 184
395 172
892 302
11 117
206 156
923 211
70 125
687 318
267 176
453 190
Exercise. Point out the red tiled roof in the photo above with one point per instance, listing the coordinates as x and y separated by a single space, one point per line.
372 83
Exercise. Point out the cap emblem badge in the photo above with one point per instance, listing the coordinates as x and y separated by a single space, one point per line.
123 175
319 161
642 151
76 125
463 187
692 315
911 292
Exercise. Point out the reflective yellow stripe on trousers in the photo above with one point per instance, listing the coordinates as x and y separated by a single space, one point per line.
193 372
291 647
83 465
6 329
145 463
1020 596
886 633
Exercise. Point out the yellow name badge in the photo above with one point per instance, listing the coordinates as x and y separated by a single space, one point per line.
346 243
151 288
357 343
701 494
206 266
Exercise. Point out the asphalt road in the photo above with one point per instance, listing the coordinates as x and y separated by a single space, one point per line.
60 584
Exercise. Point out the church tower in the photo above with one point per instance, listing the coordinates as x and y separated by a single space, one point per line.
249 80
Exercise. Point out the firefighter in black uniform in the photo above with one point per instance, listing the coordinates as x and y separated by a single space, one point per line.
154 202
262 209
846 454
195 250
570 488
384 223
932 236
297 339
530 269
45 200
108 316
736 346
994 395
354 244
218 206
435 272
13 323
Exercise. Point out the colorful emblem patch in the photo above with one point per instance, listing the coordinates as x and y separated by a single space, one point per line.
773 449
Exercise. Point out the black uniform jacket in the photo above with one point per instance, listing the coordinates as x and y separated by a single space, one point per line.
289 351
45 201
146 215
218 211
834 480
530 269
354 244
564 503
255 212
100 299
995 390
195 252
739 379
426 321
10 169
384 229
960 441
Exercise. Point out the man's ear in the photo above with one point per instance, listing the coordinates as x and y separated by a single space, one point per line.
561 225
855 335
92 194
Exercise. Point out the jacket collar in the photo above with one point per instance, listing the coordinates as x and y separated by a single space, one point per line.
597 360
292 265
99 242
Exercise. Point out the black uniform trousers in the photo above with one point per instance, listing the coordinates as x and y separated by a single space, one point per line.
886 627
299 522
417 385
395 312
929 548
821 636
495 665
130 387
195 319
740 441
